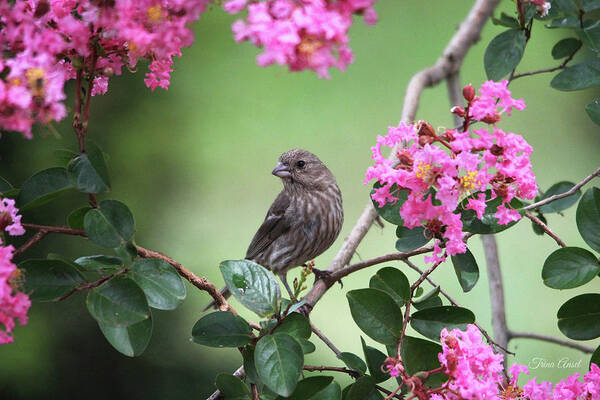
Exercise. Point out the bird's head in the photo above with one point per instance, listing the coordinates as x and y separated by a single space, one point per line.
301 168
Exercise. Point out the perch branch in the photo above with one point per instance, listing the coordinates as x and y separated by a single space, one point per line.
325 340
448 64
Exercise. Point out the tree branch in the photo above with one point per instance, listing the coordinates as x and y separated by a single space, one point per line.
325 340
550 339
448 64
545 70
565 194
240 373
545 228
34 239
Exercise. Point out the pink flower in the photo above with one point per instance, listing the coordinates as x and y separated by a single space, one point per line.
506 215
515 370
13 305
537 391
477 204
9 218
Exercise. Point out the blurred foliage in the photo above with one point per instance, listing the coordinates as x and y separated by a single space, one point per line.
193 164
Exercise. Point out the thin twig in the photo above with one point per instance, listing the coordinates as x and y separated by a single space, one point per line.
424 275
55 229
568 193
325 340
91 285
544 338
240 373
545 228
404 325
545 70
254 391
34 239
448 64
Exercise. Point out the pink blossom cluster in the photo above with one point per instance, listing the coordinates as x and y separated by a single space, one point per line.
475 373
303 34
542 7
446 174
44 42
13 304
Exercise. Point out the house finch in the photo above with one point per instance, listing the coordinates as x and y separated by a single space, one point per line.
303 221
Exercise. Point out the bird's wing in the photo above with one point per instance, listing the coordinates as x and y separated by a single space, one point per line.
274 225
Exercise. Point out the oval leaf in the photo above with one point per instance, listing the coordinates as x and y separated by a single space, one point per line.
118 302
593 111
579 317
88 172
43 187
393 282
376 314
560 204
252 285
466 270
279 359
431 299
488 223
410 239
430 321
363 389
375 359
130 340
504 53
588 218
47 280
75 218
296 325
331 392
100 263
596 357
222 329
160 282
422 355
569 267
309 387
565 48
391 211
353 362
111 225
577 77
232 387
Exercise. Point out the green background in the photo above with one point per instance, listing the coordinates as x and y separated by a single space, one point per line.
193 163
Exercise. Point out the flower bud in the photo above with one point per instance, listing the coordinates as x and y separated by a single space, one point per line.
404 157
491 118
423 140
108 71
5 220
458 111
469 93
496 150
425 129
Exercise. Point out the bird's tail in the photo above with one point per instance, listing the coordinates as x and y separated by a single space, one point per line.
213 304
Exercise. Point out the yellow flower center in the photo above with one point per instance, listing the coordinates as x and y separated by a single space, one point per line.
35 80
155 13
469 181
309 45
423 170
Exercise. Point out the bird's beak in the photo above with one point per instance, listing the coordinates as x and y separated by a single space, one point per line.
281 170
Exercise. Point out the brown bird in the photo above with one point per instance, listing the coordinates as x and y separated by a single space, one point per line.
305 218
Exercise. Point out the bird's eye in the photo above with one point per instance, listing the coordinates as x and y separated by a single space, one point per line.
300 164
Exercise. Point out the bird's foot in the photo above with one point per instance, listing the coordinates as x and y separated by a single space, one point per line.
325 276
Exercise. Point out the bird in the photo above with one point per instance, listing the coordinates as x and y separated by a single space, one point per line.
303 221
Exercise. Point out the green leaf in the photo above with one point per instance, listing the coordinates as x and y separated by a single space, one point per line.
249 367
64 157
43 187
353 362
376 314
375 359
111 225
307 346
431 299
422 355
393 282
560 204
569 267
252 285
47 280
309 387
504 53
363 389
222 329
130 340
538 229
565 48
118 302
430 321
160 282
590 5
566 6
593 111
279 359
296 325
506 20
588 218
391 211
596 357
100 263
331 392
232 387
5 186
88 172
579 317
565 22
75 218
466 270
590 36
410 239
488 224
577 77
